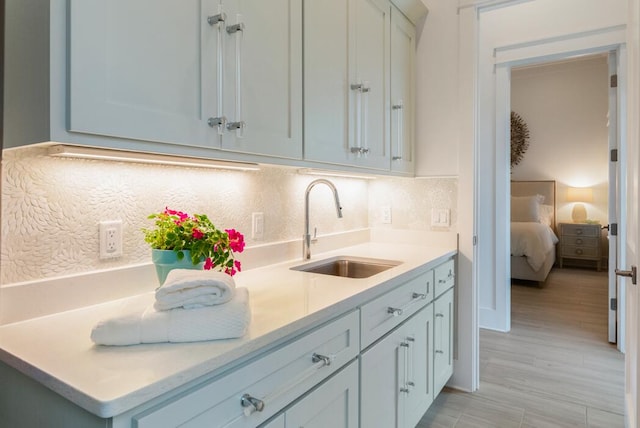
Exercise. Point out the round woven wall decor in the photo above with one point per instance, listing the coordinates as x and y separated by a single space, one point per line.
519 138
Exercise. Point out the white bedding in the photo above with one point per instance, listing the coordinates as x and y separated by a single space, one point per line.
532 240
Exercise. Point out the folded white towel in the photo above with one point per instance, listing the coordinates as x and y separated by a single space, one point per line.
226 321
189 289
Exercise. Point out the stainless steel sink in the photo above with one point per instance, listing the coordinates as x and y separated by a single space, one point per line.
348 267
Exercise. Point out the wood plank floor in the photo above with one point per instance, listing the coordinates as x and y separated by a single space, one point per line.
554 369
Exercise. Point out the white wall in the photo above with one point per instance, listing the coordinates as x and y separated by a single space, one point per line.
565 105
437 91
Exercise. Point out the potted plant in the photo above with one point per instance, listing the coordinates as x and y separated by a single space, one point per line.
180 240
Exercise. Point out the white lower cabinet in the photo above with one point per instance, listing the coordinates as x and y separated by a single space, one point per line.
259 390
333 404
396 382
443 340
407 363
380 365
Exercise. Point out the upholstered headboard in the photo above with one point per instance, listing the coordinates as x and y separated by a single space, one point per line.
546 188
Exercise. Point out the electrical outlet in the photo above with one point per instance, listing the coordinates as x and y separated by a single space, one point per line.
386 214
257 226
110 239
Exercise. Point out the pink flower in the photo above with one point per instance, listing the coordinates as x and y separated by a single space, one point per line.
196 233
230 271
238 266
208 264
236 240
181 216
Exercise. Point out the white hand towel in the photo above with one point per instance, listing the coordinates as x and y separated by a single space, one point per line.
226 321
189 289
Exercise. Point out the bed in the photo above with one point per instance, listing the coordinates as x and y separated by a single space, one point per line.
533 237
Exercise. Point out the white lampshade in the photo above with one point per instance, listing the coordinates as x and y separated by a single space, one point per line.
579 194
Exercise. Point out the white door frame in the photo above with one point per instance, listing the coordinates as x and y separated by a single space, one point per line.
613 207
506 57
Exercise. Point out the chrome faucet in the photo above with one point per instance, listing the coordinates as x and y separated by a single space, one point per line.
306 238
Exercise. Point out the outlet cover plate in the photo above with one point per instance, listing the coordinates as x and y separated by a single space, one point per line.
110 239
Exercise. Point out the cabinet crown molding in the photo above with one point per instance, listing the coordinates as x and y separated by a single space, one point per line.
415 10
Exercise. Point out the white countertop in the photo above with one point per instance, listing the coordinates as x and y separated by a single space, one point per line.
56 350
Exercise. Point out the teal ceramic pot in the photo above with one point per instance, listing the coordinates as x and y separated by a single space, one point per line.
166 260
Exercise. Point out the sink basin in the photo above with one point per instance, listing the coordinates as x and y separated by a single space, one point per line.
348 267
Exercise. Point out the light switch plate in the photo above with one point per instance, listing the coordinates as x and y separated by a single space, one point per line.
257 226
385 212
440 217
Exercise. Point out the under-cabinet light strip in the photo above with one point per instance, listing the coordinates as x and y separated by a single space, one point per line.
82 152
310 171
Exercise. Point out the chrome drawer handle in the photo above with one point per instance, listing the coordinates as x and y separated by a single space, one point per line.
418 296
579 251
439 352
442 281
578 241
252 402
440 315
404 390
316 358
396 312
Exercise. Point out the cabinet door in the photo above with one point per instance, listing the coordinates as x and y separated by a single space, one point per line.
443 340
143 69
382 370
328 71
372 72
334 404
418 334
403 46
275 423
346 72
263 77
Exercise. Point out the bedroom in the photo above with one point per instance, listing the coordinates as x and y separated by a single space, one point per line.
564 105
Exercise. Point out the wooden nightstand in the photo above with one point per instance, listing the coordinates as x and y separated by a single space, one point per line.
580 241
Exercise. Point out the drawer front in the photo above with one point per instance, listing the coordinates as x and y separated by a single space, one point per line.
275 379
579 252
445 277
581 230
389 310
578 241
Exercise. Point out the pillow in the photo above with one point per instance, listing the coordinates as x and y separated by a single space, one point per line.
546 214
526 208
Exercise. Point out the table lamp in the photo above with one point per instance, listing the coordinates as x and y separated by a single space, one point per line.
579 195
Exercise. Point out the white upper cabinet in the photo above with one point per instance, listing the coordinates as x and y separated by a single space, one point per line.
136 69
207 73
263 77
403 48
244 80
346 75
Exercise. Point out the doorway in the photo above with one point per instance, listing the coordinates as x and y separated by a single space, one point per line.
570 112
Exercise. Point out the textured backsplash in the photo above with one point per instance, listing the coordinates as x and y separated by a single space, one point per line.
52 207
